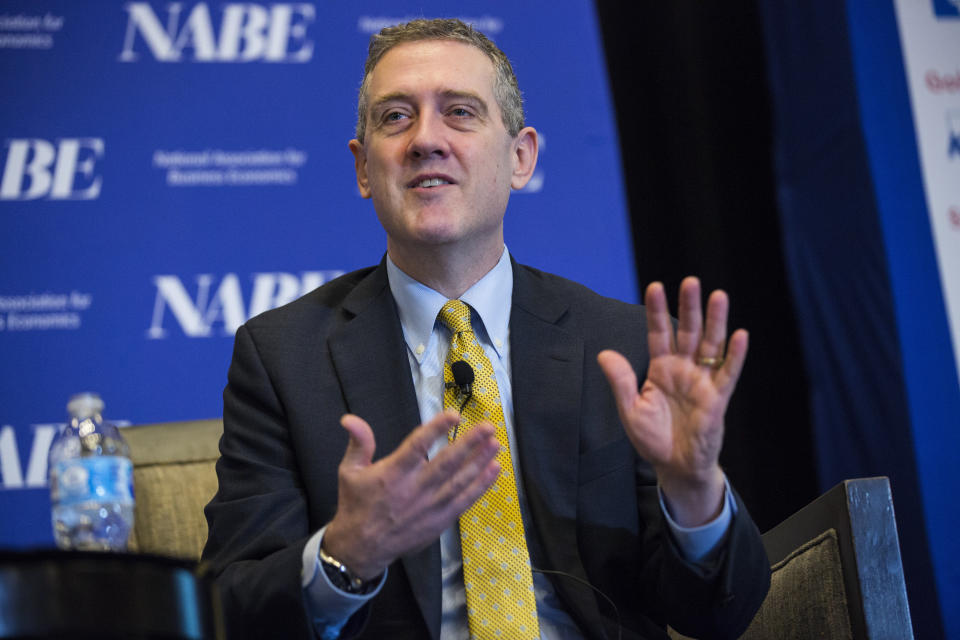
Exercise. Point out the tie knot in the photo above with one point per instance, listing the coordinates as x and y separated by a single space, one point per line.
456 315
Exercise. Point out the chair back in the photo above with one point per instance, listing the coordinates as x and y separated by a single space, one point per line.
173 478
837 571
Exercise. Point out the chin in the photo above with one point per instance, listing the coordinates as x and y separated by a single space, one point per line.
437 238
437 230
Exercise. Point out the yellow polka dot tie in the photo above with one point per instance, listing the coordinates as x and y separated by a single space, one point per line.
496 565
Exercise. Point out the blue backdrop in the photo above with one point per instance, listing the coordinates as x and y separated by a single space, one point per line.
171 169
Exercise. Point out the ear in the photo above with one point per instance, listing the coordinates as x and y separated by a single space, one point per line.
360 164
526 146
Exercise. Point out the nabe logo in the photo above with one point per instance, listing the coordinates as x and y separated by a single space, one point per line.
61 170
247 32
11 471
221 302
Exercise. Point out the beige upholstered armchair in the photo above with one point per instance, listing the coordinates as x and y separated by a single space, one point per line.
173 479
836 563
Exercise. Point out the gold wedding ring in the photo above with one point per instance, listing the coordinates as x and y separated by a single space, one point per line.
709 361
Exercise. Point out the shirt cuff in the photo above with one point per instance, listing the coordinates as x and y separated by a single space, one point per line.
329 607
696 543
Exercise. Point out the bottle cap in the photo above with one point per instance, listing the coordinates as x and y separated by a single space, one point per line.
86 404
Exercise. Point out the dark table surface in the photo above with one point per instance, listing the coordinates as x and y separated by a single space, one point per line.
86 594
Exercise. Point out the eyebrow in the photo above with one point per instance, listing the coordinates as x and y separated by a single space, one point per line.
448 94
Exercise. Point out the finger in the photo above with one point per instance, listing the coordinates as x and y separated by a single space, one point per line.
477 486
361 445
690 316
440 507
478 444
729 373
715 331
659 328
447 502
413 451
621 377
453 474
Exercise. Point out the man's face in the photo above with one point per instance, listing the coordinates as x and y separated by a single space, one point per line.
438 161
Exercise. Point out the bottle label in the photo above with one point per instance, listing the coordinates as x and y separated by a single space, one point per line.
99 478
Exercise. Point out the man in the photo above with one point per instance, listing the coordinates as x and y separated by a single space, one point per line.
622 521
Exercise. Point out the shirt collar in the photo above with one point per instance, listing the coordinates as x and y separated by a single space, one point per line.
418 304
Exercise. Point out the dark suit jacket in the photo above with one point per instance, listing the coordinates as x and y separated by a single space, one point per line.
592 501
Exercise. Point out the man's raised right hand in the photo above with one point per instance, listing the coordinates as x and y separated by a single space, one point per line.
403 502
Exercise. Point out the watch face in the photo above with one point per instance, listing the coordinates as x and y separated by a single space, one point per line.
340 576
339 580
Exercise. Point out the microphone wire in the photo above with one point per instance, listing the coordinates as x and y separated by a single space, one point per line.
564 574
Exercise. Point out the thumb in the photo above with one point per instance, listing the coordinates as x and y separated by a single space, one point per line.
361 446
621 377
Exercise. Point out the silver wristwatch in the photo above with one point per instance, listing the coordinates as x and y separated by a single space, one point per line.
344 579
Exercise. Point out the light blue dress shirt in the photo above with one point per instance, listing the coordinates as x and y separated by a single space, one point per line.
428 342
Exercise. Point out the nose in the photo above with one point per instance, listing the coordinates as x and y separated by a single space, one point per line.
428 137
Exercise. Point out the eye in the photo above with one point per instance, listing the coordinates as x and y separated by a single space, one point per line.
394 116
461 112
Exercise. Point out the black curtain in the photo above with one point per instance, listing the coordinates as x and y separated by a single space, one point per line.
688 81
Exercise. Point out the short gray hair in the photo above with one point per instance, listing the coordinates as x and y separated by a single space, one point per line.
506 90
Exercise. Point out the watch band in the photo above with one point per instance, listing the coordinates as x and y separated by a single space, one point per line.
341 576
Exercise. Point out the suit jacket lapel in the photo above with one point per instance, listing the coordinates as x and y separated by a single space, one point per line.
369 355
547 371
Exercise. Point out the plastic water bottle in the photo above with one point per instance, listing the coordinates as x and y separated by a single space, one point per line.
91 480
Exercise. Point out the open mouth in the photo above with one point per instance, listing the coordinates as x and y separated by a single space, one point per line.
430 182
